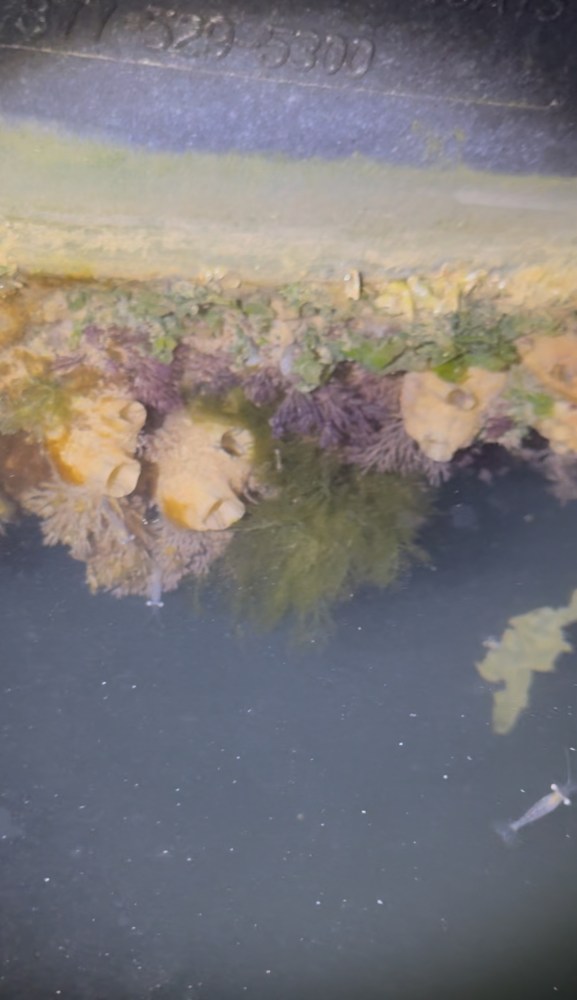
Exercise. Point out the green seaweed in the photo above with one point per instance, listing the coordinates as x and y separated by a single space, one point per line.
377 355
526 399
38 406
325 531
315 360
530 644
479 339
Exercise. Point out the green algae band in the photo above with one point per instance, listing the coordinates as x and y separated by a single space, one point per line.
484 83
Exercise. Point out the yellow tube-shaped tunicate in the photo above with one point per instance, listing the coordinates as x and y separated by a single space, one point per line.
203 466
96 446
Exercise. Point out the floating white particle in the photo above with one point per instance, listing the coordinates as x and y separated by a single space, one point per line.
445 777
412 715
47 879
317 902
363 812
380 902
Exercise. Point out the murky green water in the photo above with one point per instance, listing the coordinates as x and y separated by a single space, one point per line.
193 809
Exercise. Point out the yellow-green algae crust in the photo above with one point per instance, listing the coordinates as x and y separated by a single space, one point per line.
78 207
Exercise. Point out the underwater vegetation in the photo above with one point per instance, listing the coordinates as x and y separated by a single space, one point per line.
358 413
530 644
326 530
153 426
124 552
479 338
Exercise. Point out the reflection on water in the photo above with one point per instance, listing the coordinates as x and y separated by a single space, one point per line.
193 810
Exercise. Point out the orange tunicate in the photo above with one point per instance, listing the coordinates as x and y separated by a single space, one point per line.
553 361
559 427
96 447
443 417
203 465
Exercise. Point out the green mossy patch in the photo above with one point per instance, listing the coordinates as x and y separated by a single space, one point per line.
325 531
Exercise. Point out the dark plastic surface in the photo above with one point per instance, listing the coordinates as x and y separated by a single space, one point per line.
487 83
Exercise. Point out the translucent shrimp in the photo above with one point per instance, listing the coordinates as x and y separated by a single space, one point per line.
558 795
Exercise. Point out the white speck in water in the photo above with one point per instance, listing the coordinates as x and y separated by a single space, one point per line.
380 902
445 777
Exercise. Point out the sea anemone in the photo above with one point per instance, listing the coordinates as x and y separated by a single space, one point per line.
560 470
124 355
124 550
264 387
78 518
200 373
359 413
338 413
157 563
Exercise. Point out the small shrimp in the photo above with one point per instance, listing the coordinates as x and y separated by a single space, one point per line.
558 795
155 589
